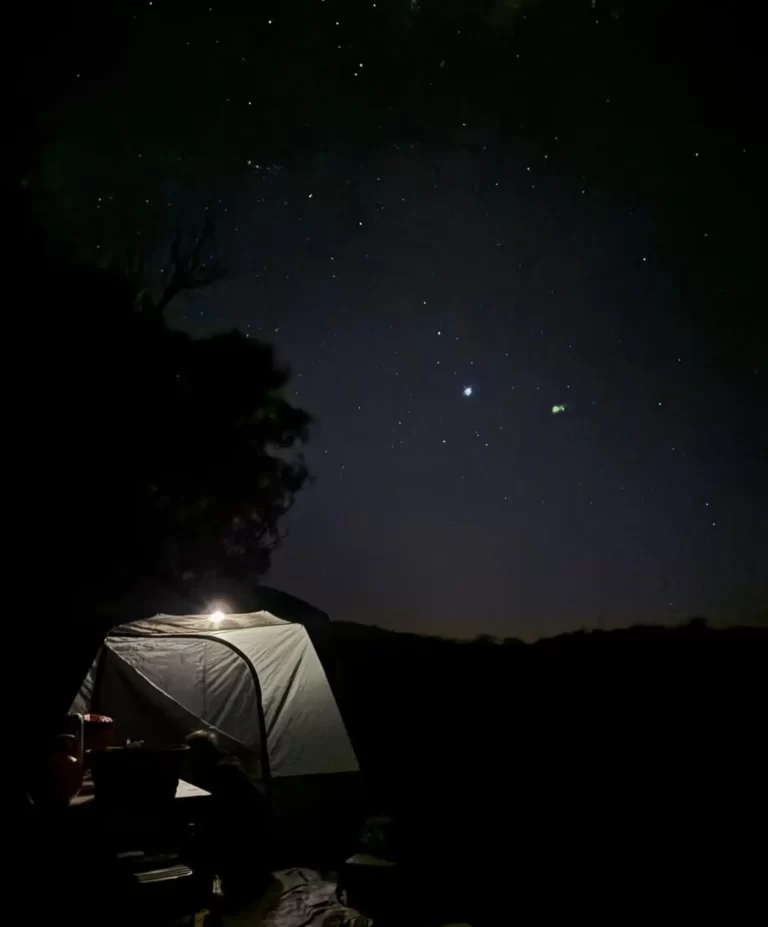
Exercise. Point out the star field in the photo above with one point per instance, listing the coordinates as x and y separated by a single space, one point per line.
518 298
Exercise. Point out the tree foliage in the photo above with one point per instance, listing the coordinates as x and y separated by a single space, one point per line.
178 457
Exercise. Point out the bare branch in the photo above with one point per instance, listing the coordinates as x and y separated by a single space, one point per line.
188 269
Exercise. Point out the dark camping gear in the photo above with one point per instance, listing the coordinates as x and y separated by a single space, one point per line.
64 770
132 774
97 731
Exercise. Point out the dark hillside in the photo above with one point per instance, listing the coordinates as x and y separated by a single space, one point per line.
630 756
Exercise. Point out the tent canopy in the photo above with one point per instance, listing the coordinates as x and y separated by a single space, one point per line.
253 678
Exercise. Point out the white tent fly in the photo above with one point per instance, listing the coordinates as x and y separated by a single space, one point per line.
254 679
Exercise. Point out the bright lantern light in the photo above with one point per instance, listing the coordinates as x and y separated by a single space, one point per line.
217 616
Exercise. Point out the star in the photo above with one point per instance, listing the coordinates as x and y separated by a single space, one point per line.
467 391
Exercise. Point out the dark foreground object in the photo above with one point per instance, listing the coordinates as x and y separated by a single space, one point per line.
137 774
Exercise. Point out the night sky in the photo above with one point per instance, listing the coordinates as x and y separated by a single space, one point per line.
513 254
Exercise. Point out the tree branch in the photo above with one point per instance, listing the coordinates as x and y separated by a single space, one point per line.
188 269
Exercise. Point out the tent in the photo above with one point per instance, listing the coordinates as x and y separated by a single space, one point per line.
254 679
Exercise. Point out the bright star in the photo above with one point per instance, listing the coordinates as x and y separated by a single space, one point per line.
467 391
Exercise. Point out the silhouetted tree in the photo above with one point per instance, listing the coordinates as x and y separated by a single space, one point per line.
176 458
697 623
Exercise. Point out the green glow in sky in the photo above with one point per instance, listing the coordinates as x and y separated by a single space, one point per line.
556 409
